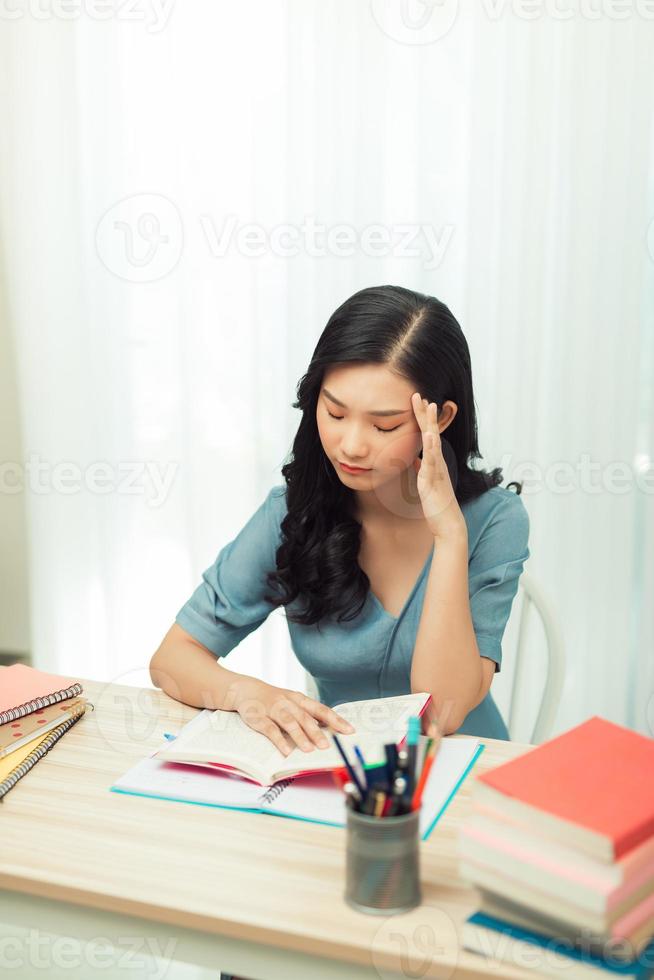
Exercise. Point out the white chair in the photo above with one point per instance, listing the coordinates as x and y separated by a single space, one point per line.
530 597
533 597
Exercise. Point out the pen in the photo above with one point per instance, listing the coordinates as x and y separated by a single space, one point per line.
426 769
352 798
398 802
390 748
402 762
362 761
353 775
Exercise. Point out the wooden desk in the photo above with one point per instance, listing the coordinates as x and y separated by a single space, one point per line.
254 895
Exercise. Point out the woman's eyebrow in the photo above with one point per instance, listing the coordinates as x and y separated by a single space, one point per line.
385 411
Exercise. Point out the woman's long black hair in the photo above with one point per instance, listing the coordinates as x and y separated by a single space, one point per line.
417 337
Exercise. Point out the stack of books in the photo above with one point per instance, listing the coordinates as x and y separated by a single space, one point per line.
560 845
36 709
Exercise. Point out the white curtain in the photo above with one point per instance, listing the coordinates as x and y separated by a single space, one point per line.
186 195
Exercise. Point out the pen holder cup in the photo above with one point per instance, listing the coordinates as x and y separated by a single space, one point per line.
382 862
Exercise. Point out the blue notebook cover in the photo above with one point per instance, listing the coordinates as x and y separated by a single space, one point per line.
642 968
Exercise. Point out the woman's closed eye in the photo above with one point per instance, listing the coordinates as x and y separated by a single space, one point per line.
339 417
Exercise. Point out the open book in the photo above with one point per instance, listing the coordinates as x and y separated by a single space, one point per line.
222 739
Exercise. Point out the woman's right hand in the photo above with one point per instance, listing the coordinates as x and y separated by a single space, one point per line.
280 714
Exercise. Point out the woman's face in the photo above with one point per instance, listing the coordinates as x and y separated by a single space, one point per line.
384 445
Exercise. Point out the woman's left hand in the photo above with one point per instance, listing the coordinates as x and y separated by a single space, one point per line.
437 496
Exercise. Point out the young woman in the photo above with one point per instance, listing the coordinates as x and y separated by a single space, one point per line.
398 576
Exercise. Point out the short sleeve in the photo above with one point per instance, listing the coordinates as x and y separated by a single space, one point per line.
494 570
229 602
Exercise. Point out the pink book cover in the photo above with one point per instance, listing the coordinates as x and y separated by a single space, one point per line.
21 684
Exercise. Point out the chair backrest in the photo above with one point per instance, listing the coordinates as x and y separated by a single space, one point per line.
534 600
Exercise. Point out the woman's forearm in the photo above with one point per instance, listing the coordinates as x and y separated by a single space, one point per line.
446 661
189 672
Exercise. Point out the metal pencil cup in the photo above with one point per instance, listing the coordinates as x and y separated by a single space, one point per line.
382 862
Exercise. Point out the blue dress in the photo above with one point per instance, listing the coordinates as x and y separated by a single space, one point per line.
370 656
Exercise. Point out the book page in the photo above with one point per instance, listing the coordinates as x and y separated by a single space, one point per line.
376 721
371 746
223 736
177 781
382 716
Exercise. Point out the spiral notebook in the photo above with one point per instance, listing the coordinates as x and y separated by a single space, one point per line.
25 689
15 734
14 766
314 798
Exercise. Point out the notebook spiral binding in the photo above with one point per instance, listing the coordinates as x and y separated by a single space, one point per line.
29 706
44 747
271 794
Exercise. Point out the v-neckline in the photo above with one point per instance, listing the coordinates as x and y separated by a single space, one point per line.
406 605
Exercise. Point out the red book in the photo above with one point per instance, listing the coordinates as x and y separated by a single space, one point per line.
591 788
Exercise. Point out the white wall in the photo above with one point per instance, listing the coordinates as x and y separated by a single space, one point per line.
14 610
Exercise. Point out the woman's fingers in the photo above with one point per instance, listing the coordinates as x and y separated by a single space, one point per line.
299 724
427 416
328 716
315 732
272 731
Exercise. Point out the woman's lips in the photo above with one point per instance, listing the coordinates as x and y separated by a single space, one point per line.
353 469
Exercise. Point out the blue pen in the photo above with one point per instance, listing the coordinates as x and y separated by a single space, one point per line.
169 736
359 755
353 776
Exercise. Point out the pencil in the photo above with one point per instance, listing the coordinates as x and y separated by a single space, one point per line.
379 802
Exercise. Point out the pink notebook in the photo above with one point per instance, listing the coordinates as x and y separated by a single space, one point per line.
25 689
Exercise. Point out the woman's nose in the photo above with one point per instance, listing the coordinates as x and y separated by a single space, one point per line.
354 446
